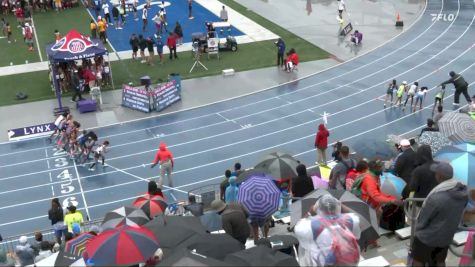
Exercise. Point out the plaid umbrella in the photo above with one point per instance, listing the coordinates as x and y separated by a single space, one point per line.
458 127
435 140
462 158
77 245
152 205
392 185
131 216
125 245
260 196
279 165
368 220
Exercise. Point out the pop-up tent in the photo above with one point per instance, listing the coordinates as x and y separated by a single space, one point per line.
73 46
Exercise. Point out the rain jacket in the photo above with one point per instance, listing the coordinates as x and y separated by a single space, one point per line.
423 179
405 164
163 154
302 184
458 81
321 140
294 58
231 194
441 214
315 239
234 218
371 191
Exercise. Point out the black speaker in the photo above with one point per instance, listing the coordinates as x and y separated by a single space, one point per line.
399 23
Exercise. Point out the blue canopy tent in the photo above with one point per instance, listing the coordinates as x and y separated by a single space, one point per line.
73 46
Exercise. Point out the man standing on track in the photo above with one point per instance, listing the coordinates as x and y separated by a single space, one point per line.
165 158
461 87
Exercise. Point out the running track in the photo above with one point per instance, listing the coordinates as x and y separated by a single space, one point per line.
208 140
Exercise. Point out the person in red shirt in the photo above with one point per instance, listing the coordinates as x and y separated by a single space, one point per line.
20 16
321 144
89 79
292 60
165 158
171 43
371 188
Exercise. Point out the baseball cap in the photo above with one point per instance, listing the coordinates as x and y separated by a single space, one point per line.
404 82
443 168
23 239
404 142
218 205
72 208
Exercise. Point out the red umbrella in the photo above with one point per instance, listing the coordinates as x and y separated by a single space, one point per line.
125 245
152 205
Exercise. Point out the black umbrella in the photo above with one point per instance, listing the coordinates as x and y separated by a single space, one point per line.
216 246
185 257
368 220
170 235
373 148
191 222
280 165
260 256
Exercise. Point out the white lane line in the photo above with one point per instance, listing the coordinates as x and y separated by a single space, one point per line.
344 73
50 177
82 191
226 119
142 179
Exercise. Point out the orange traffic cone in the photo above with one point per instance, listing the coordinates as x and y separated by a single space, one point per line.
399 22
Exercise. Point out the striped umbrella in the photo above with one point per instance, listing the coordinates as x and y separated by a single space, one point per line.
125 245
152 205
260 196
77 245
279 165
131 216
458 127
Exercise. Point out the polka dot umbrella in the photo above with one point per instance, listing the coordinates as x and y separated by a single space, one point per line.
260 196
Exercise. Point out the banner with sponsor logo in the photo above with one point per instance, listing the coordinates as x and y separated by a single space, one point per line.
31 131
164 95
136 98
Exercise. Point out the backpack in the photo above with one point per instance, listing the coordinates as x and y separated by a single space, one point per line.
351 173
344 249
28 33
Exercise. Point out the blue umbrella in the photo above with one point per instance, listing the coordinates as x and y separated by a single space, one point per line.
260 196
392 185
462 158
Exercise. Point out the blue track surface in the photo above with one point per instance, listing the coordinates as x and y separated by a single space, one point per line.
208 140
176 11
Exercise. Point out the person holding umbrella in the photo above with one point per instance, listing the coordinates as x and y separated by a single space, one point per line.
461 87
330 237
165 158
234 219
321 144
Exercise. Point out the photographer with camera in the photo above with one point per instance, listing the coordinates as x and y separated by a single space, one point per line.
280 52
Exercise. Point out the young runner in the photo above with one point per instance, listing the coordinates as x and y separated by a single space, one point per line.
439 98
390 92
99 153
411 93
400 93
420 98
144 17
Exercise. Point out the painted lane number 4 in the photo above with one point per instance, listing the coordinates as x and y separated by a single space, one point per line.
443 17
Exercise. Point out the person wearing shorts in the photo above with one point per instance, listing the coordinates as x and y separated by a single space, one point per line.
99 154
390 92
400 93
145 18
420 98
165 158
411 93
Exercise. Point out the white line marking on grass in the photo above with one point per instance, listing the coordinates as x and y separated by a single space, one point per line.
36 38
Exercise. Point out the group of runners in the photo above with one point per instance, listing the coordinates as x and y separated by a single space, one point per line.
78 144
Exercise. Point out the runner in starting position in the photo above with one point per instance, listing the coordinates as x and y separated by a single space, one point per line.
99 153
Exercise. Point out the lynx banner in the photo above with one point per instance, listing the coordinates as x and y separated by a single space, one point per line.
31 131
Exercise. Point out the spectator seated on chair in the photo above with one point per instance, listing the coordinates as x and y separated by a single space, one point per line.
292 61
356 37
